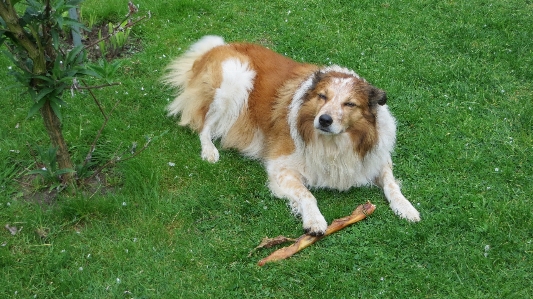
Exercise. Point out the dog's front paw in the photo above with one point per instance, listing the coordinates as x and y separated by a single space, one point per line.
210 154
406 210
315 226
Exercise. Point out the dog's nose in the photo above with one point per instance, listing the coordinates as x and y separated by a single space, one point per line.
325 120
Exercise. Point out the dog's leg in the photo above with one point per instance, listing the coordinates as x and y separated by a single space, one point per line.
230 98
287 183
209 151
398 203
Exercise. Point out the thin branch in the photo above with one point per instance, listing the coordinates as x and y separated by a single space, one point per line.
93 145
98 134
96 42
95 100
136 153
129 25
32 153
97 86
97 171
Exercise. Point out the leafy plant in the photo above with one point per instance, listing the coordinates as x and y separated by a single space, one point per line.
119 39
91 20
47 65
49 170
44 68
117 35
102 44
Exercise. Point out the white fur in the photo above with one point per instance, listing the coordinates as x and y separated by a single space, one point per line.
333 108
398 203
339 69
256 147
179 74
328 161
230 100
179 70
294 109
285 181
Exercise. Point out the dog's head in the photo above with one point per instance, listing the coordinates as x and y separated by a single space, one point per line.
339 101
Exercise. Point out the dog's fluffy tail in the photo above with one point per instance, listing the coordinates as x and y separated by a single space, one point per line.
179 71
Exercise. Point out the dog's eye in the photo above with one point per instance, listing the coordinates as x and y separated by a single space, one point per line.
350 104
322 96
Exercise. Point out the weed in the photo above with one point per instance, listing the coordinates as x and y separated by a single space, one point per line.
49 168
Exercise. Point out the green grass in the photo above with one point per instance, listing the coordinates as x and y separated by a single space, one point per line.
459 79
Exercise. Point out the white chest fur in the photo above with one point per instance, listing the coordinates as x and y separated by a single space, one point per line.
330 161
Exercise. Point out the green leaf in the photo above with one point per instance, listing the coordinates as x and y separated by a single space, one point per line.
88 72
36 107
57 69
73 55
42 93
2 38
64 170
46 79
59 6
33 13
34 4
21 77
54 103
39 171
115 65
10 56
73 24
55 38
60 102
97 68
59 19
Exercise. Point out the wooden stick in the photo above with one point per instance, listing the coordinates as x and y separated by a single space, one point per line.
304 241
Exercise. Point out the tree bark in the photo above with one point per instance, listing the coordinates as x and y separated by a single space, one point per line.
54 130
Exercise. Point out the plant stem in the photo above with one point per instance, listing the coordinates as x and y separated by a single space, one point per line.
53 128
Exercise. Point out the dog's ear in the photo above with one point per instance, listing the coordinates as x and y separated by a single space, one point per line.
317 77
376 96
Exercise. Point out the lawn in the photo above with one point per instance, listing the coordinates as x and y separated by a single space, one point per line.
459 79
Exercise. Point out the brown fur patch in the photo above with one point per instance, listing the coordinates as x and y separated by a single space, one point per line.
280 142
358 121
268 104
277 78
363 130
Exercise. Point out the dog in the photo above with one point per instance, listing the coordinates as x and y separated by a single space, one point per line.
312 126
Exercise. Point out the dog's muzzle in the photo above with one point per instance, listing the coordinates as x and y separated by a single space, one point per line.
325 121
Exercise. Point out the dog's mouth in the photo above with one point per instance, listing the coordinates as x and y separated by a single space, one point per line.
324 130
326 125
328 131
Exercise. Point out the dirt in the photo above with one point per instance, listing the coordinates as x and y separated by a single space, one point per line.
33 189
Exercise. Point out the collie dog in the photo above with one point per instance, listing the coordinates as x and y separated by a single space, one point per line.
311 126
